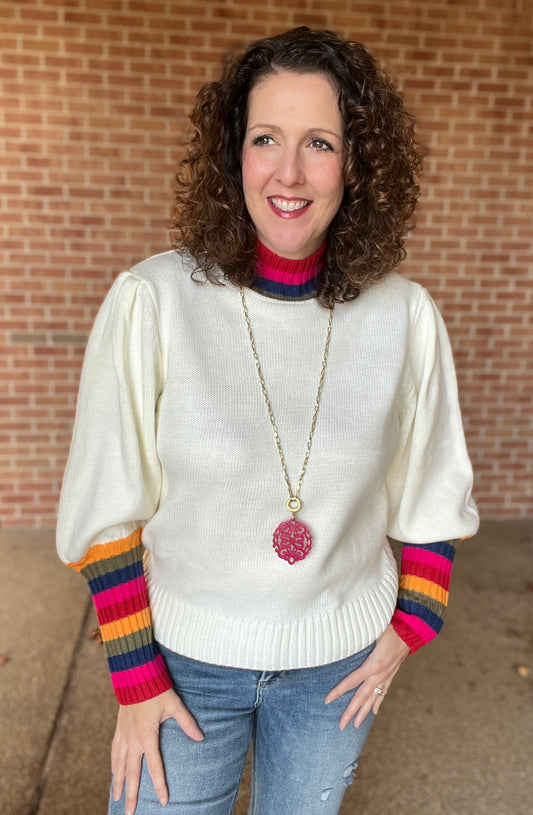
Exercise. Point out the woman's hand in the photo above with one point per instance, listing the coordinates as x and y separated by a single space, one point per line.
137 734
377 671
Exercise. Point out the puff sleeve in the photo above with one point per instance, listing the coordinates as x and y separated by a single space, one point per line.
429 482
112 483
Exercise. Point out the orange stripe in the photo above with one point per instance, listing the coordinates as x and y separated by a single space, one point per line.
102 551
126 625
422 586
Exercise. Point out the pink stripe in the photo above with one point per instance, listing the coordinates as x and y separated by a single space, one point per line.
285 270
421 629
140 674
118 594
286 277
430 559
438 572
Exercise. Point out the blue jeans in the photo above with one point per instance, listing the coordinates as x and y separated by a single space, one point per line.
302 762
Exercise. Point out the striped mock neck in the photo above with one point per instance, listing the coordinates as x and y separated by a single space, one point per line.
286 279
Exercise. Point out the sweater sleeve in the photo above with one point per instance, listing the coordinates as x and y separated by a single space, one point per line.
423 593
112 483
429 483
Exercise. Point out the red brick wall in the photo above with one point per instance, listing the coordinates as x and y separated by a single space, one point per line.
94 98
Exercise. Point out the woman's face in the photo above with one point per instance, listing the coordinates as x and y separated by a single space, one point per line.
292 161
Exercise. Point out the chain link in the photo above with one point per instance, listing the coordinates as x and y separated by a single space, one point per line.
292 495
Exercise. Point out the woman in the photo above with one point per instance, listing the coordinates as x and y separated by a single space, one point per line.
256 439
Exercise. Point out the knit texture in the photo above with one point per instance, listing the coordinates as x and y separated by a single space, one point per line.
426 569
170 401
287 279
114 572
423 593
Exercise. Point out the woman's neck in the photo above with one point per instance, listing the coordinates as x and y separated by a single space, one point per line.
286 279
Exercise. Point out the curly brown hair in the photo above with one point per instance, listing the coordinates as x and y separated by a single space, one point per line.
366 237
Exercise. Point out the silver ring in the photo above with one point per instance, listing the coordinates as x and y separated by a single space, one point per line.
379 691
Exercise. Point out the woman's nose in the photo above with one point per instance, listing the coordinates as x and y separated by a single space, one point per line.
290 168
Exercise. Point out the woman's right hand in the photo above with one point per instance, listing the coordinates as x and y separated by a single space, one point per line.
137 734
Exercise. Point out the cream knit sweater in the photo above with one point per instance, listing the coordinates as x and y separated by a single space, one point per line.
172 434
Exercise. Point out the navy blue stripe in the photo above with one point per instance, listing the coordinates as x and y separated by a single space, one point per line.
133 659
285 289
117 578
444 548
423 612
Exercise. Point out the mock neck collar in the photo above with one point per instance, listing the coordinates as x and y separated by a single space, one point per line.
284 278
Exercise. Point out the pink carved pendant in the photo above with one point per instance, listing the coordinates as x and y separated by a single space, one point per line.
292 541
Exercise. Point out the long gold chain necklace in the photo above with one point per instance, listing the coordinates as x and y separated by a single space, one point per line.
292 540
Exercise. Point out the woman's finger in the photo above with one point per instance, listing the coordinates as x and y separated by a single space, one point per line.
377 671
349 683
358 707
133 777
186 720
154 764
118 767
365 698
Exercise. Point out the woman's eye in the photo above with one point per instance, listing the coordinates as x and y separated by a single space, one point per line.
321 144
262 141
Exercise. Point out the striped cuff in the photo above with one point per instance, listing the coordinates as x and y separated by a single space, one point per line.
115 574
423 595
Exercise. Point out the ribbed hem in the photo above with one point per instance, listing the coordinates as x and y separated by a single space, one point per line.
115 576
412 630
141 683
269 646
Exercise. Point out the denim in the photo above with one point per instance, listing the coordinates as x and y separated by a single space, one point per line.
302 763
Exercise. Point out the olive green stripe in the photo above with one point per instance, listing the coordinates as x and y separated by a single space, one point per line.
130 642
416 597
112 564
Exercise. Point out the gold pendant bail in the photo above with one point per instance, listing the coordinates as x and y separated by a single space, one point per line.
294 504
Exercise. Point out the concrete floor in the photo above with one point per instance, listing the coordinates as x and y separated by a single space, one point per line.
454 737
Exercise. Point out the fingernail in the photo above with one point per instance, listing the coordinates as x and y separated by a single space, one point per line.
163 802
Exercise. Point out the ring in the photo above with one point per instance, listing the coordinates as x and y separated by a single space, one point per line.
379 691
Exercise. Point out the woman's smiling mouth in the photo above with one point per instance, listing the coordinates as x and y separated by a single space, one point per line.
288 208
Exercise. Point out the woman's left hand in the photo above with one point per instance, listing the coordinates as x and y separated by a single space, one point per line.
377 671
